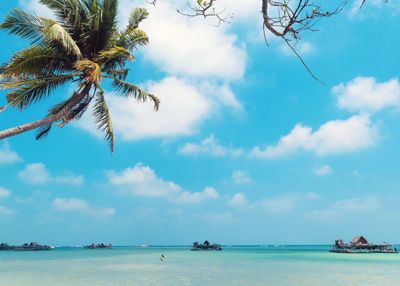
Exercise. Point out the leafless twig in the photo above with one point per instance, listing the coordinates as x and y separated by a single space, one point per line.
152 2
206 9
363 2
287 19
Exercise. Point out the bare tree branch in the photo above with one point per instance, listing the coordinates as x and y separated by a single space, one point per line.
207 9
288 19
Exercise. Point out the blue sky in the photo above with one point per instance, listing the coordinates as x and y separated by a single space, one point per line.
246 149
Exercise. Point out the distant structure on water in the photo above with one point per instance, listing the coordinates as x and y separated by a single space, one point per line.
206 246
98 246
360 244
33 246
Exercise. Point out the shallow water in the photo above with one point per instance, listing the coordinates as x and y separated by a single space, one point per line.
252 265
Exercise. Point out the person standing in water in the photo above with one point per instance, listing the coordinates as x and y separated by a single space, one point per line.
162 258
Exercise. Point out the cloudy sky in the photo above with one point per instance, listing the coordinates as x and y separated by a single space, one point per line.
246 149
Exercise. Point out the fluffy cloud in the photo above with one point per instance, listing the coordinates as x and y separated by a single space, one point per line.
312 196
183 45
183 110
143 181
366 94
210 146
196 197
78 205
322 170
303 48
4 193
371 8
37 173
189 47
5 211
221 95
239 177
349 206
200 61
37 8
238 200
333 137
280 204
8 156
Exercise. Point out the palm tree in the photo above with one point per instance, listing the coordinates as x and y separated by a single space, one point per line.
82 46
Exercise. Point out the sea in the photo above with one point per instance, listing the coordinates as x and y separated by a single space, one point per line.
274 265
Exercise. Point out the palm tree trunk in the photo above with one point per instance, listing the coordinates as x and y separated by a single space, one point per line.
47 120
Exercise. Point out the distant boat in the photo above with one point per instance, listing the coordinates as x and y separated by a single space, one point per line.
361 245
98 246
33 246
206 246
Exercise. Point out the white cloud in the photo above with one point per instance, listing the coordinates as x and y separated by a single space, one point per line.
221 94
243 10
37 173
8 156
4 193
183 45
313 196
303 48
349 207
5 211
69 179
197 197
371 8
239 200
366 94
279 205
142 181
70 204
78 205
322 170
210 146
189 47
183 110
37 8
333 137
240 177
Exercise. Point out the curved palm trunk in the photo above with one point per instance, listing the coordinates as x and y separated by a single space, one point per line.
50 119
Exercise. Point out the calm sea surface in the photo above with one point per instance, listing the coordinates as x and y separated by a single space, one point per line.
251 265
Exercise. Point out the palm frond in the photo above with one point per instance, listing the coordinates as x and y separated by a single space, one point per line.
131 90
137 15
71 12
30 91
117 73
132 38
114 57
103 119
23 24
54 32
107 24
77 112
35 61
91 70
39 29
43 132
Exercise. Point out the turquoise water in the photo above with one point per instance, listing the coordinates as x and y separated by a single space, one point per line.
252 266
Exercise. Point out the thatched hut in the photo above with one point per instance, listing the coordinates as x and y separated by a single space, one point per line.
359 240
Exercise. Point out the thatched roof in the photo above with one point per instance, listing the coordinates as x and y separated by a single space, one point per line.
359 240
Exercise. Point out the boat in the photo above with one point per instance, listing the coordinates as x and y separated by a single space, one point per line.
206 246
33 246
98 246
360 244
